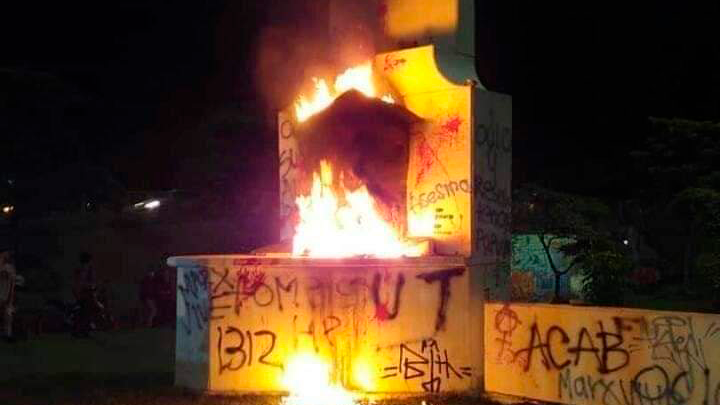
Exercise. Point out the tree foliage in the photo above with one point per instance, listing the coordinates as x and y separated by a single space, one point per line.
582 223
680 161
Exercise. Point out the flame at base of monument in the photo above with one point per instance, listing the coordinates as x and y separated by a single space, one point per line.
307 378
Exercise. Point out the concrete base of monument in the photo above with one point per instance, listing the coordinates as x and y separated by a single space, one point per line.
407 326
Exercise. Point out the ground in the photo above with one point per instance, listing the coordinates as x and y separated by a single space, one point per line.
126 367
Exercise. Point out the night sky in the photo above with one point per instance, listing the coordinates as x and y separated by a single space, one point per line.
132 76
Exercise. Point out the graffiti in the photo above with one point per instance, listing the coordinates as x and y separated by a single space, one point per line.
250 283
491 185
429 363
506 321
426 158
491 243
488 191
382 313
440 192
289 167
291 286
352 293
326 327
443 276
650 385
494 215
595 356
286 129
255 316
493 139
604 346
235 348
445 134
522 286
193 292
452 125
392 62
529 259
288 162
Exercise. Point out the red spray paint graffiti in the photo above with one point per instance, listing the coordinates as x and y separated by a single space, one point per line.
445 135
249 280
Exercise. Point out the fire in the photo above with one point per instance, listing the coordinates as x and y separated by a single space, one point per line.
307 378
422 224
356 78
344 225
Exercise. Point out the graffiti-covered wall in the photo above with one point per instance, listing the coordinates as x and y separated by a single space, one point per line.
383 326
530 272
602 356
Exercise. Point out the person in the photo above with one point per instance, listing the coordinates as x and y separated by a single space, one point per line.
148 297
7 292
165 297
84 291
84 277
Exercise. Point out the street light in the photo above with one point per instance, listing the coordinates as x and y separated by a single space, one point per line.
8 209
152 204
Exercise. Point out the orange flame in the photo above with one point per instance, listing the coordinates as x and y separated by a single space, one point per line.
307 378
356 78
345 225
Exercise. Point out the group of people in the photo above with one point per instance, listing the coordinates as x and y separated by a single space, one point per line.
156 294
90 310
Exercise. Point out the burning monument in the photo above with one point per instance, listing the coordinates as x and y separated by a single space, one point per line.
395 204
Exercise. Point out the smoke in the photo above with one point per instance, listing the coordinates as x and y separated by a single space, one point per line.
287 56
311 38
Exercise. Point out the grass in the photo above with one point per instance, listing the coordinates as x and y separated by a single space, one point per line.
123 351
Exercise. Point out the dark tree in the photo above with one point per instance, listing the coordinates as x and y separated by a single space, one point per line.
680 163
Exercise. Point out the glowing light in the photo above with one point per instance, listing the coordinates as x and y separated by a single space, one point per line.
422 224
151 205
6 209
344 224
307 378
362 373
626 242
355 78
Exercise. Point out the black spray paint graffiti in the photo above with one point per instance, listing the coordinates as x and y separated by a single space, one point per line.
590 361
325 329
439 192
382 313
235 348
493 139
194 293
431 363
493 144
649 386
604 348
443 276
249 284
